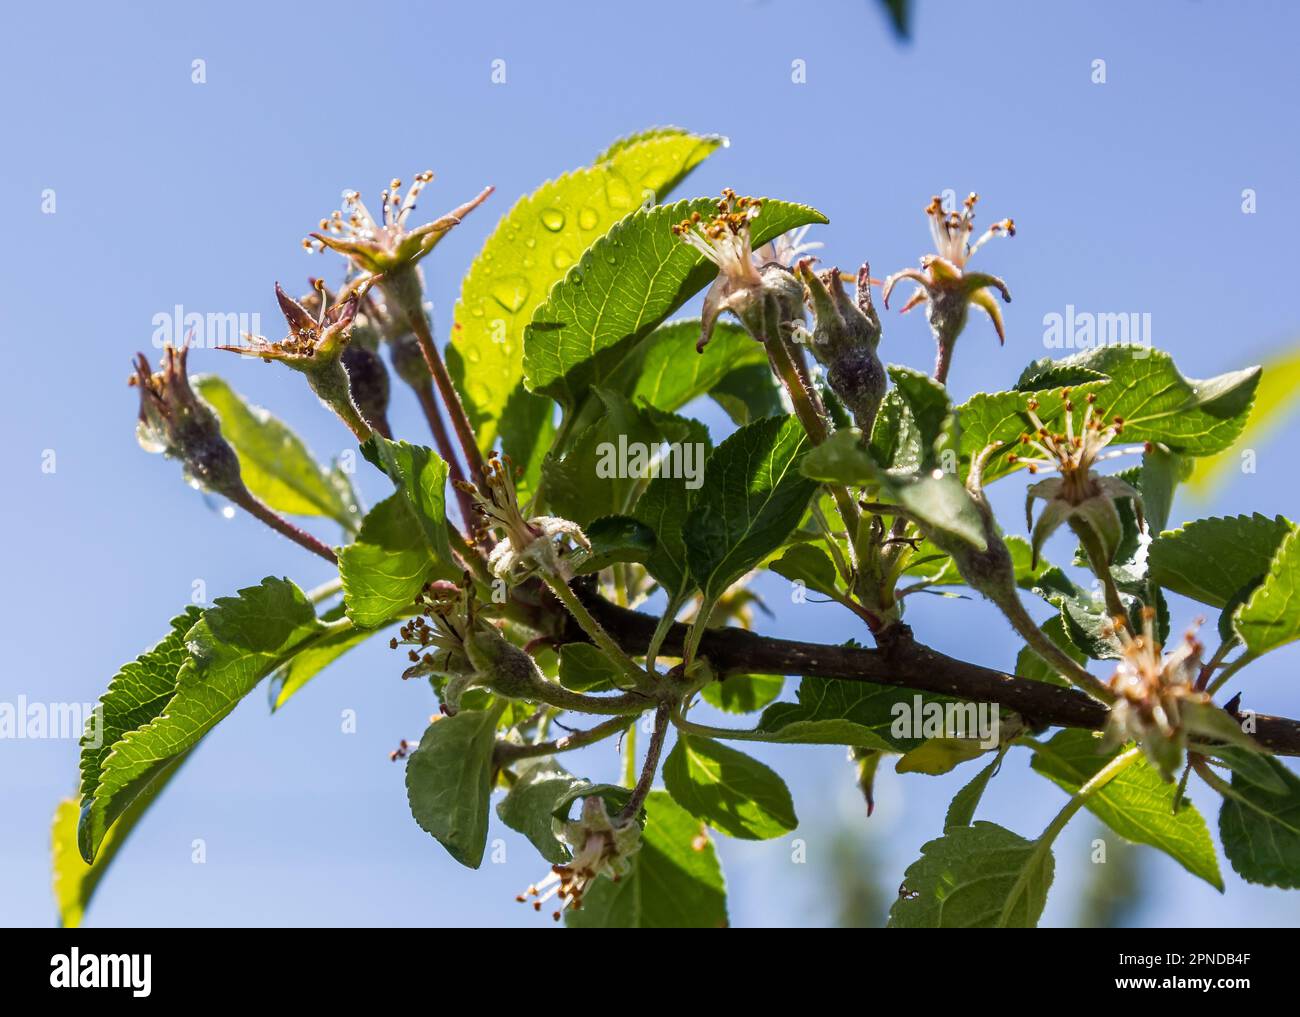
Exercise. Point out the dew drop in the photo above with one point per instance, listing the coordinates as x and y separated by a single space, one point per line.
149 438
617 192
561 258
510 292
588 217
553 219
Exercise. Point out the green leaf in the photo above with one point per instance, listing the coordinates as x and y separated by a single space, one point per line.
1143 387
936 756
530 806
137 694
936 499
584 668
1252 766
748 393
449 780
753 496
830 712
402 543
1260 829
1030 665
235 644
1211 560
975 877
274 462
675 881
743 693
961 810
1271 617
929 413
663 507
842 459
420 476
729 790
627 282
665 372
614 539
75 882
289 679
609 462
810 565
531 249
1158 404
1136 803
615 796
1158 479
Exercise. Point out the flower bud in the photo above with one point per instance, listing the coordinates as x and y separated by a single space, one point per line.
369 385
742 286
176 422
384 244
946 285
844 339
408 360
367 375
315 347
501 666
990 570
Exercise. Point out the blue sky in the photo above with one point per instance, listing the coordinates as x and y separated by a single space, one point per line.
1127 196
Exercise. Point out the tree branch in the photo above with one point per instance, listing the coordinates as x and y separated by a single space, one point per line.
902 663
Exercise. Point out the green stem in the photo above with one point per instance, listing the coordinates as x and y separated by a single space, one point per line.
1229 671
325 590
1100 566
1044 843
1094 784
330 383
1042 644
661 632
841 566
629 757
709 731
593 628
507 752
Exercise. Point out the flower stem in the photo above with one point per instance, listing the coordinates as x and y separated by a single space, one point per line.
405 291
814 424
1229 671
508 752
633 807
246 501
1100 566
1041 643
593 628
1044 843
943 361
424 393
